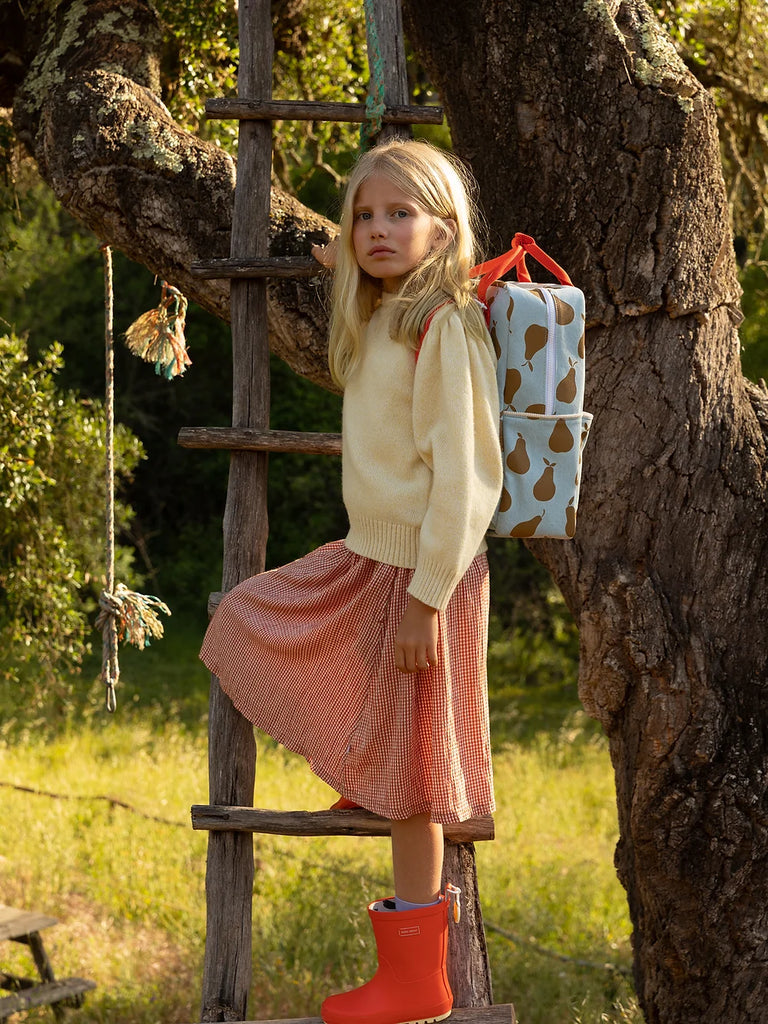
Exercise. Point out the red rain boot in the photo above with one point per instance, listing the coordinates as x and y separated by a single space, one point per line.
342 804
411 984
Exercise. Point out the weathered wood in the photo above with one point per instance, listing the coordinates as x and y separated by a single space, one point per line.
389 38
42 963
13 983
469 971
17 923
273 266
504 1013
232 749
67 991
303 110
322 823
250 439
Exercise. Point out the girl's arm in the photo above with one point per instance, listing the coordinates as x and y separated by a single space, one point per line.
456 431
416 638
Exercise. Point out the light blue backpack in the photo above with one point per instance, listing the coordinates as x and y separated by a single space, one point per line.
538 333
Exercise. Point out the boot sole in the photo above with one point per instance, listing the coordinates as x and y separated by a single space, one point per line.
424 1020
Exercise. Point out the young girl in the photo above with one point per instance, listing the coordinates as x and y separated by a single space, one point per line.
367 656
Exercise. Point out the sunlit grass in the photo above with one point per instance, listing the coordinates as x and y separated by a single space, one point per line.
129 890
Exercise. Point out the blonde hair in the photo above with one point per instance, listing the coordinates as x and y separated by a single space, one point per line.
442 187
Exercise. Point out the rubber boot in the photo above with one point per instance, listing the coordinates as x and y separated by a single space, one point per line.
410 985
342 804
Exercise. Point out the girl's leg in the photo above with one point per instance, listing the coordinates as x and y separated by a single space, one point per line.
417 858
411 983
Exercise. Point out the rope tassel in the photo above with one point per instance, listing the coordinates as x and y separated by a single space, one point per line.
158 335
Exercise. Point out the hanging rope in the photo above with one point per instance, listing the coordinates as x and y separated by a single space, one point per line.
124 614
375 108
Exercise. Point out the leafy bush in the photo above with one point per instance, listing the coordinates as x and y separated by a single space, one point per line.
51 517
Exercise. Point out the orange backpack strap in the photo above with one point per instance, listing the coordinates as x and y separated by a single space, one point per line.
427 324
522 245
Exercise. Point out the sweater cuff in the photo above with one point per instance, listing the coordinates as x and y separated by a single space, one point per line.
433 583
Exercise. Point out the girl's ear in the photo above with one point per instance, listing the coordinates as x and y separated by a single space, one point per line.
445 232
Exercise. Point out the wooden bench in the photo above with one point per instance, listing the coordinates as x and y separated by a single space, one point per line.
25 926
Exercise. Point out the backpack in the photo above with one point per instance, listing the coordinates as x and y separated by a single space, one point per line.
538 334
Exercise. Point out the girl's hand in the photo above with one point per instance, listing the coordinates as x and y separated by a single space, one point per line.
416 638
326 254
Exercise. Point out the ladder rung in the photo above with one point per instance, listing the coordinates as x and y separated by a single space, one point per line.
272 266
304 110
221 818
249 439
502 1013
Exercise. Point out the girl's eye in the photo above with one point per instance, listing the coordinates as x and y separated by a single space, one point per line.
401 214
363 215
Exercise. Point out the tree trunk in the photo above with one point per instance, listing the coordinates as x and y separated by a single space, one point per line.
585 130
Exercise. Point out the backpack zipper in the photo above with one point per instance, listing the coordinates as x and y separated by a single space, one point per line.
549 380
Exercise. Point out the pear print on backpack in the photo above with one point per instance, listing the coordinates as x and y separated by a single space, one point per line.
538 334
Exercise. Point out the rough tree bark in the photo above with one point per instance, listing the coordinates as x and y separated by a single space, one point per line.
583 129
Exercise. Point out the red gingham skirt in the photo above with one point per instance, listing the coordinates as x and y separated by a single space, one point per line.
306 652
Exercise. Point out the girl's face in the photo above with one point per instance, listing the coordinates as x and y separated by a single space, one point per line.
391 234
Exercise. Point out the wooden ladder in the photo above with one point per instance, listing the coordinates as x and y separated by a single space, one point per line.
230 818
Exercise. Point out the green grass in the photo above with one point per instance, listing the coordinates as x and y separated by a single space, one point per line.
129 891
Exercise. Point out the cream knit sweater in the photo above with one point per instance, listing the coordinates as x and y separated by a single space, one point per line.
421 460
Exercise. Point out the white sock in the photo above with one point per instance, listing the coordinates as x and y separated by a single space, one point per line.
401 904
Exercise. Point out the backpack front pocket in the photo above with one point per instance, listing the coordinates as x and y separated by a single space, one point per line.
542 474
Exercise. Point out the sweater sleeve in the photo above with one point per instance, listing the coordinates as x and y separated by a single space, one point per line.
456 431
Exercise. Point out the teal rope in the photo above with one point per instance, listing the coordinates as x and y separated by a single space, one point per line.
375 107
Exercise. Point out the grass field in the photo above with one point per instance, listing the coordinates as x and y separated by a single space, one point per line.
129 890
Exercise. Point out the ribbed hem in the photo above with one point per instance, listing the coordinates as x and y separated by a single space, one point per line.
398 544
391 543
433 583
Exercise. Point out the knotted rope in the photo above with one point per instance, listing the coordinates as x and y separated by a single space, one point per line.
375 108
123 614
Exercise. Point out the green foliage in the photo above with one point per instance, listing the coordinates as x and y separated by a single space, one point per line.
754 330
322 60
200 63
51 516
725 44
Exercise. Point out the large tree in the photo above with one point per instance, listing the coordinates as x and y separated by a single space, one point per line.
583 127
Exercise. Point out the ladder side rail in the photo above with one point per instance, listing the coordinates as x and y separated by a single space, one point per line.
389 29
232 750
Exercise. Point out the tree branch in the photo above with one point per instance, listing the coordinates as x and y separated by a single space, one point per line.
89 113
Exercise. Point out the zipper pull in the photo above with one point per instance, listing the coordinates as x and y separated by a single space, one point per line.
453 895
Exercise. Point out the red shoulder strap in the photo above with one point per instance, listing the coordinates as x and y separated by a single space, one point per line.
427 324
494 269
